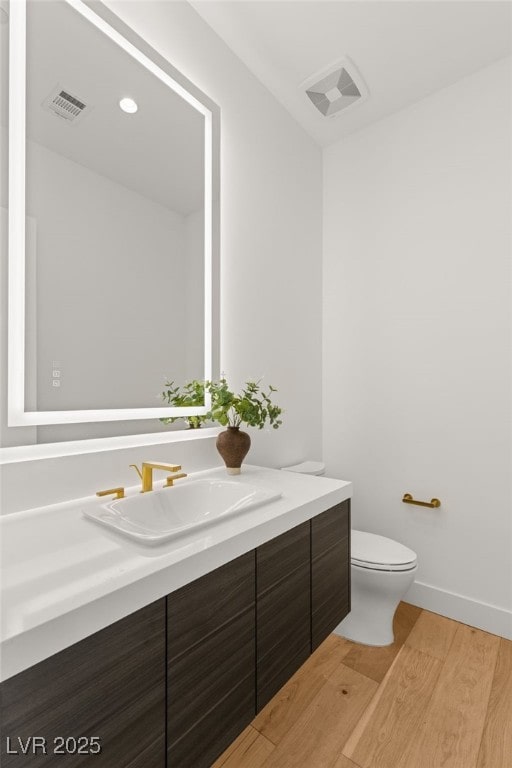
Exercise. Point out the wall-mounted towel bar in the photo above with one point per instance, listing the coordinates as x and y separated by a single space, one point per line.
408 499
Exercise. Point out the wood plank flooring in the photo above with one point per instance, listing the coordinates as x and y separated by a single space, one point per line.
439 697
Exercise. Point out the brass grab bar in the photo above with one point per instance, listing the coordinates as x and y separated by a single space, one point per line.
408 499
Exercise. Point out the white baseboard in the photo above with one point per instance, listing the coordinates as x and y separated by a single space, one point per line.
490 618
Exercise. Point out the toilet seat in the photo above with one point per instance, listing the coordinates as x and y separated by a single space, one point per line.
307 468
378 553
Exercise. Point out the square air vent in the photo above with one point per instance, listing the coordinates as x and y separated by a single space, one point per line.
336 88
66 105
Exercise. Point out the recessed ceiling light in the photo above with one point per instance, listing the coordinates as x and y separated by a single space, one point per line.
128 105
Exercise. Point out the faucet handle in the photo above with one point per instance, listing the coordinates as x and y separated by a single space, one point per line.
118 492
171 478
137 470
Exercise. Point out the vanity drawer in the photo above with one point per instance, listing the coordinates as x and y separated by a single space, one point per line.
283 610
281 556
110 685
330 571
211 660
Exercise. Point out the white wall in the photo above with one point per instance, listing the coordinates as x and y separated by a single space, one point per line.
270 228
271 179
417 331
110 270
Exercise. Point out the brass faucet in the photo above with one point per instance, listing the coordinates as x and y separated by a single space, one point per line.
146 475
117 492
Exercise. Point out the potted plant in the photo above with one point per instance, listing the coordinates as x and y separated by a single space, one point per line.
190 394
253 406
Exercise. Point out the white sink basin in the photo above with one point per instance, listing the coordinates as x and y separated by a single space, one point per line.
157 516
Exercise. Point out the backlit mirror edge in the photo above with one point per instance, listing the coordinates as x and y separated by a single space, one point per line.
22 453
130 41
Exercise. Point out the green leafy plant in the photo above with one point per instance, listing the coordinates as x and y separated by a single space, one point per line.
253 406
191 394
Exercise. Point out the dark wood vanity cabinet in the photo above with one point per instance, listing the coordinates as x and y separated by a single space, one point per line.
330 571
171 685
110 686
283 610
210 663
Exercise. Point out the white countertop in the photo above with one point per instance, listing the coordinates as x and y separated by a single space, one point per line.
64 577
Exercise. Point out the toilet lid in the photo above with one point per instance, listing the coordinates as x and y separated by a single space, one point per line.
307 468
368 550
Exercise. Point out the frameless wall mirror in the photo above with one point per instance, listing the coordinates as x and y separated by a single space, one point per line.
113 161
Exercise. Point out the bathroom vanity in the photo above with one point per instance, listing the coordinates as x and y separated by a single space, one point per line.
212 625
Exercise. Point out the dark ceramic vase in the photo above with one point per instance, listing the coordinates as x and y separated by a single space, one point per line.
233 445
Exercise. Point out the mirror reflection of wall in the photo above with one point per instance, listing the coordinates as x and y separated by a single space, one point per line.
117 202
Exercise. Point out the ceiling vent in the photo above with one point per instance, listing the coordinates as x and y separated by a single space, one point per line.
65 105
336 88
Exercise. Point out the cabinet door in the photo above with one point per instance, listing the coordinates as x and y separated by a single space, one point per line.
110 685
211 659
330 570
283 610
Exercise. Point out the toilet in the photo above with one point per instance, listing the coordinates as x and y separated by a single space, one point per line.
382 570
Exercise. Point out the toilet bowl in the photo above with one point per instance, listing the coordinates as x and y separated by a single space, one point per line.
382 570
307 468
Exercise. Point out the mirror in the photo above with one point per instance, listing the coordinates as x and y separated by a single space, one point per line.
112 258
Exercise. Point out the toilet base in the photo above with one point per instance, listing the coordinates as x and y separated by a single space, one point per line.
375 598
356 629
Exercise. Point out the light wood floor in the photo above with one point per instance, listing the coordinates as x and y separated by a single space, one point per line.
439 697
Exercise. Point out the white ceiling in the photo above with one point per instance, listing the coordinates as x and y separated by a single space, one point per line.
404 49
